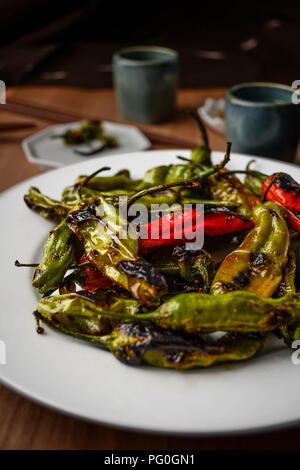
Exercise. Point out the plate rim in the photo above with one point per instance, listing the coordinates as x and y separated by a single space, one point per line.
122 427
57 408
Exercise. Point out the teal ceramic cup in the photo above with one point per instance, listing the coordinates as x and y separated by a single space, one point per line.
146 80
261 119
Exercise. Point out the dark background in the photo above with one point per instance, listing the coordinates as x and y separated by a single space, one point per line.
71 42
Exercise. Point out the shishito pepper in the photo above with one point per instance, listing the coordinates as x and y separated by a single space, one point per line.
280 188
287 284
254 179
287 287
229 187
92 278
76 311
136 344
108 245
257 264
154 176
46 206
184 226
283 189
58 256
239 311
109 183
193 266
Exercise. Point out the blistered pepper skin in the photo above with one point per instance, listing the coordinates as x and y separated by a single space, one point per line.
240 312
45 206
58 255
113 251
137 344
232 189
284 190
257 264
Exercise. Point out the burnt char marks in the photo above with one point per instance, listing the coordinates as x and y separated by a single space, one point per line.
287 183
241 280
257 259
230 286
50 212
183 255
274 214
173 346
141 269
84 213
218 208
281 289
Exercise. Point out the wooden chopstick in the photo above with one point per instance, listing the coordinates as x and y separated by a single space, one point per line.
57 116
15 126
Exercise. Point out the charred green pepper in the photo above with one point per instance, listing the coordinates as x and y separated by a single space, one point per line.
46 206
135 344
108 245
58 256
229 187
257 264
241 312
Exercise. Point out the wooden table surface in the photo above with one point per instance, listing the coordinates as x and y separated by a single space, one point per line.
27 425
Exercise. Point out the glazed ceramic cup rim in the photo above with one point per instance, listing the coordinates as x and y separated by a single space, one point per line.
254 104
170 56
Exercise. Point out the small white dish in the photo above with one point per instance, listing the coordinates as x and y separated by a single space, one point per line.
212 113
42 149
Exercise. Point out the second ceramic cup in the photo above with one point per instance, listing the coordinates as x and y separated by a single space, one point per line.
146 80
261 119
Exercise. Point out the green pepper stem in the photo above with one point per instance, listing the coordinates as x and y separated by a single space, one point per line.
189 183
250 163
190 162
202 129
161 187
244 172
25 265
89 177
35 265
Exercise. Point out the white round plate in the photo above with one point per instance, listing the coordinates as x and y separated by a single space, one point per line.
43 149
80 379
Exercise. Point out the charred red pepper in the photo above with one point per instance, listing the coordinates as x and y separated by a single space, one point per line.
292 219
176 228
283 189
93 279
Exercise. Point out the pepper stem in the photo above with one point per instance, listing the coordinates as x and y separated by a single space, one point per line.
189 183
24 265
249 163
39 329
202 129
160 187
35 265
244 172
89 177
